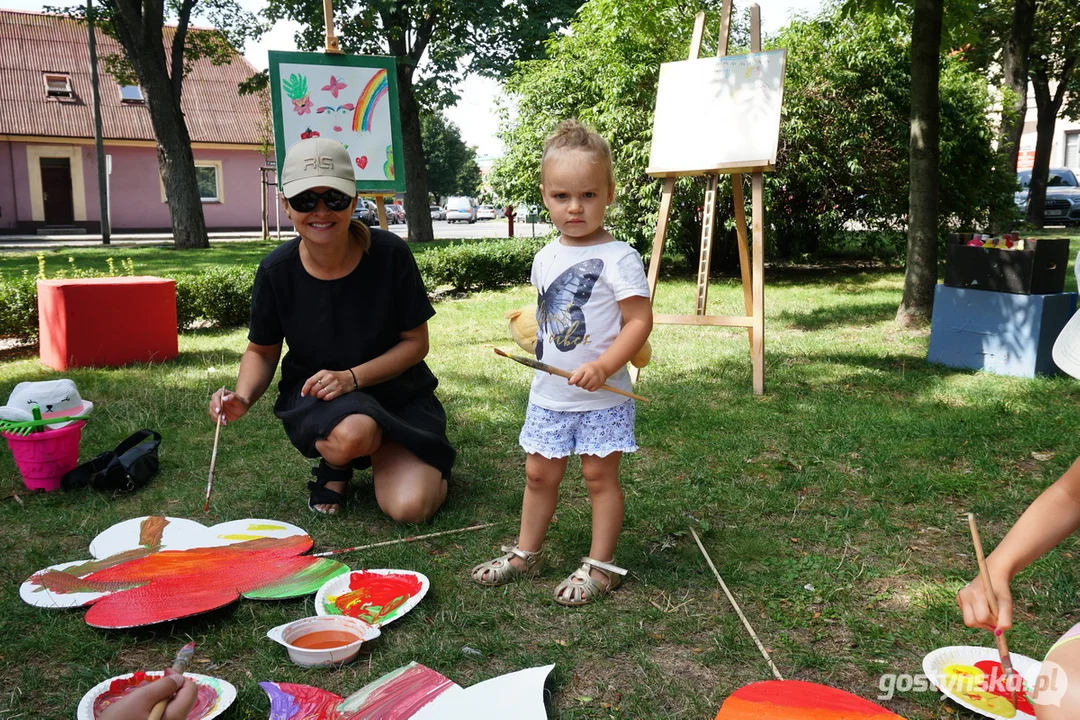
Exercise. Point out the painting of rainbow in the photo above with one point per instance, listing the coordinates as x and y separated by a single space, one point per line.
348 98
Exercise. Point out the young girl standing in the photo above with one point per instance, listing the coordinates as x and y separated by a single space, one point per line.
594 314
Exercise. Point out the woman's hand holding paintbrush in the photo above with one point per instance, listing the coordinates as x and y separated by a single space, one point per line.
170 698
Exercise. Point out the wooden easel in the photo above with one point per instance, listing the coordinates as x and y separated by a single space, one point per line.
753 282
332 46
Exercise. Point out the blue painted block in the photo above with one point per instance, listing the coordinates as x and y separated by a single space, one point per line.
1002 333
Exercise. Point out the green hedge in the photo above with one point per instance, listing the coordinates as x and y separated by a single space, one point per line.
222 296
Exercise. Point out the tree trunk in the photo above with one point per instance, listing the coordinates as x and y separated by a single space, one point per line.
176 164
1015 70
920 275
416 196
1047 109
139 31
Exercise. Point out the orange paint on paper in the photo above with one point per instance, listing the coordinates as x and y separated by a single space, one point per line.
798 700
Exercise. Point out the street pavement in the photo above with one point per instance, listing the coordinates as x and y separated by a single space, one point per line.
443 230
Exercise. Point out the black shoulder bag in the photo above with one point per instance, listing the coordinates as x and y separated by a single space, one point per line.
129 467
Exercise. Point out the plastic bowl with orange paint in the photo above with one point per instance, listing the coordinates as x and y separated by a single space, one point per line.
323 640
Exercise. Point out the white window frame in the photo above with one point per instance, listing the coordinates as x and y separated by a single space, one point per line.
217 165
1071 155
62 94
140 100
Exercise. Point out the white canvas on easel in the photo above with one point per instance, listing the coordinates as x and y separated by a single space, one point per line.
717 114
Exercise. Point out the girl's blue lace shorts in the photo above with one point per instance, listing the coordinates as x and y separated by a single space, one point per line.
558 433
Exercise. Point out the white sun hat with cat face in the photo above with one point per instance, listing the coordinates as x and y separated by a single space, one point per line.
55 398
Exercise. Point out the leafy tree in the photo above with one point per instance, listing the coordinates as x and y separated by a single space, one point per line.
1054 55
844 137
604 72
451 164
139 26
844 140
451 38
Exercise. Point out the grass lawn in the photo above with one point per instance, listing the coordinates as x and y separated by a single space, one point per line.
833 507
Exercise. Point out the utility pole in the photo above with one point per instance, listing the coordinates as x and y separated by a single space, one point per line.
103 191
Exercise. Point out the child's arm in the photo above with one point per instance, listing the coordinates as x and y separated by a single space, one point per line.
637 324
1051 518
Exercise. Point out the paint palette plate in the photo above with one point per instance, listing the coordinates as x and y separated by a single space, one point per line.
215 695
972 677
377 597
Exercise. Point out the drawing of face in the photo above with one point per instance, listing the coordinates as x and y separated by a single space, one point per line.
576 192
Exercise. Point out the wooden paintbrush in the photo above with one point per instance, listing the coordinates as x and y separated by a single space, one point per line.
991 601
213 455
179 667
537 365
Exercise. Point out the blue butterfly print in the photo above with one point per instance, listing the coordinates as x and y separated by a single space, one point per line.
558 308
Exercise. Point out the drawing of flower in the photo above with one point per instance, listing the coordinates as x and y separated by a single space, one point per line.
156 569
295 87
302 107
335 86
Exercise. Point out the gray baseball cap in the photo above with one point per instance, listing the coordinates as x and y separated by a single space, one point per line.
317 162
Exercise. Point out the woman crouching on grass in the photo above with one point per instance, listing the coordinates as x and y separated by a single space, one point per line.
349 301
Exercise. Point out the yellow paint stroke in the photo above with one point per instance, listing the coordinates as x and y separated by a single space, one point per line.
266 527
241 538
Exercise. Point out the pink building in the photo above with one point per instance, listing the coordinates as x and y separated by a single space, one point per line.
48 162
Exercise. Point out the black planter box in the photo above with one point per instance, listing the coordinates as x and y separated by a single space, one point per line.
1038 269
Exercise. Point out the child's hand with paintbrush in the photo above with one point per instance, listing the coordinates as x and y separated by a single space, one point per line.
173 688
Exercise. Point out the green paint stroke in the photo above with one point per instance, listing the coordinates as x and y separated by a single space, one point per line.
304 582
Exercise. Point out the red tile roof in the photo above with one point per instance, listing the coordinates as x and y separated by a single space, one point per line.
32 44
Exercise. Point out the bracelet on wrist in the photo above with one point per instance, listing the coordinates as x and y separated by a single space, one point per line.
356 385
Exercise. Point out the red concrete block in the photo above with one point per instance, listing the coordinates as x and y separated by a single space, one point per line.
92 322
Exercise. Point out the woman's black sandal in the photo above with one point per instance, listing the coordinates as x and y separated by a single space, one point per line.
319 494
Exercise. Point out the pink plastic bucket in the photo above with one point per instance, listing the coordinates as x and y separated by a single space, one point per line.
43 457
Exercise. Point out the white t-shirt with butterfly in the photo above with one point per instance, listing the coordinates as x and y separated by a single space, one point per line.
577 310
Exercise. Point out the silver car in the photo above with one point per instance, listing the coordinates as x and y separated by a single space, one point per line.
1062 196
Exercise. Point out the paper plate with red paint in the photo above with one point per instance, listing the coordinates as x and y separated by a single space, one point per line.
156 569
377 597
798 700
215 695
972 677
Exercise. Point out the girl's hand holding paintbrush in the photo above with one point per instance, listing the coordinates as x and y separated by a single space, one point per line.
179 693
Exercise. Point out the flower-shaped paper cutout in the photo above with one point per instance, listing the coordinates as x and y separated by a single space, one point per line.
156 569
417 692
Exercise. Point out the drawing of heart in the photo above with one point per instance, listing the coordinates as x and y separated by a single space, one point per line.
361 162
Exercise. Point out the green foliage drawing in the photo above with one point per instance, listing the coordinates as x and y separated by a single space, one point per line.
295 86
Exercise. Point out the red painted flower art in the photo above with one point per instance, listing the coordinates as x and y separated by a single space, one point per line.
155 569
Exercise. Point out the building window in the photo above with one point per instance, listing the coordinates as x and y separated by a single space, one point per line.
1072 150
131 94
58 86
209 177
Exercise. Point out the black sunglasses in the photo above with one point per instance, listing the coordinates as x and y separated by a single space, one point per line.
309 199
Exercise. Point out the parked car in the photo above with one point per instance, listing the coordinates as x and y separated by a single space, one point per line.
395 213
366 213
522 212
437 213
1062 196
485 212
461 209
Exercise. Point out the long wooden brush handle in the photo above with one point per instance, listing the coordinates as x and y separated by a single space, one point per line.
213 454
552 370
991 601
